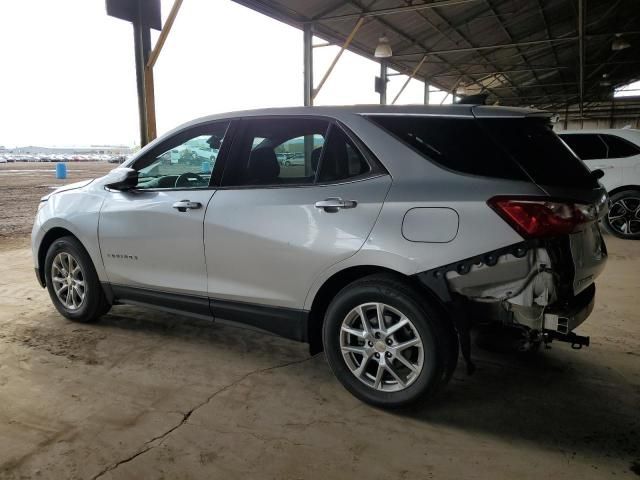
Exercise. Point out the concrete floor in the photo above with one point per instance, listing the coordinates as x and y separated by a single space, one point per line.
149 395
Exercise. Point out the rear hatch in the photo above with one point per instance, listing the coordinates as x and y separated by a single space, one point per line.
530 142
520 145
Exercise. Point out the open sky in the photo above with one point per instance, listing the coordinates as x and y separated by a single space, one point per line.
67 72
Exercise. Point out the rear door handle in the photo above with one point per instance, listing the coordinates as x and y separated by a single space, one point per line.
334 204
184 205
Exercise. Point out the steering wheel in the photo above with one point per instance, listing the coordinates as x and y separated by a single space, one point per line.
189 179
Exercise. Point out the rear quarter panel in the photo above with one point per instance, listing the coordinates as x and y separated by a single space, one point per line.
418 183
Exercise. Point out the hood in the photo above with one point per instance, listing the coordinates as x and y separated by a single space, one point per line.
71 186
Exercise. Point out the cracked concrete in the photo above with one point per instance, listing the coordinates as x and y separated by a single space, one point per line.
158 439
150 395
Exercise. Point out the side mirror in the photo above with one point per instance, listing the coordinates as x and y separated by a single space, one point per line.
597 174
122 179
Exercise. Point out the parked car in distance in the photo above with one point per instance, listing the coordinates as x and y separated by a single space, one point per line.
293 161
285 159
405 226
617 153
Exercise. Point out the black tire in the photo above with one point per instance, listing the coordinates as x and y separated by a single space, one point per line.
631 198
439 345
94 304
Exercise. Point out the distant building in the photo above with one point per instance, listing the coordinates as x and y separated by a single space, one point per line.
95 149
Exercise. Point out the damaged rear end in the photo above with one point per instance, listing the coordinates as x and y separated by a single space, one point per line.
543 287
528 245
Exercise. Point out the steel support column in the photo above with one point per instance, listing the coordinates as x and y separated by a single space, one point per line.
426 93
581 53
383 82
307 37
142 46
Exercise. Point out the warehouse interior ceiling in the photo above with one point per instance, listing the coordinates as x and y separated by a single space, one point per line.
543 53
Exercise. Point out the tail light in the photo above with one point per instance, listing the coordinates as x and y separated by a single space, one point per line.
535 217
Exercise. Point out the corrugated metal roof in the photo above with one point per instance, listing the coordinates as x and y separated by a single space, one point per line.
521 52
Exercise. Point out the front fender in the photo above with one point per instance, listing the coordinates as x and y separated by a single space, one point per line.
78 212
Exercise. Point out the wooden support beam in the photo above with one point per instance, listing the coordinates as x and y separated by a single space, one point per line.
149 93
166 28
335 60
413 74
150 102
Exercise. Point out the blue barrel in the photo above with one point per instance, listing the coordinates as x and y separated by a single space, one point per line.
61 171
206 167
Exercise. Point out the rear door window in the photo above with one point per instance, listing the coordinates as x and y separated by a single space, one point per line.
341 159
275 151
586 145
619 147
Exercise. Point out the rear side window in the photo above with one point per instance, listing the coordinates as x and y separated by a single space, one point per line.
510 148
619 147
586 145
533 145
458 144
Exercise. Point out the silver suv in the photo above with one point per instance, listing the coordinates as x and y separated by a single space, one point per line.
396 229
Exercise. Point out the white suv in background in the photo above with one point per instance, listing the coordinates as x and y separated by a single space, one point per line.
617 154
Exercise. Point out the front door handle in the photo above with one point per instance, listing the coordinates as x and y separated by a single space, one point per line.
334 204
184 205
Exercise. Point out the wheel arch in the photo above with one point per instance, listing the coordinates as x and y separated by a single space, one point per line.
51 236
47 240
341 279
623 188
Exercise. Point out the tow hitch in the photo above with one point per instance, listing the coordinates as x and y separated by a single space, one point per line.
576 341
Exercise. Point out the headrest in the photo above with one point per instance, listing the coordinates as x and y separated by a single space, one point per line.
263 166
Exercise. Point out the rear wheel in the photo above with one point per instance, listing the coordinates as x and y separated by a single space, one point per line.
384 343
623 219
72 281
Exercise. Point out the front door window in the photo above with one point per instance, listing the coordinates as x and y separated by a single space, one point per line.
184 163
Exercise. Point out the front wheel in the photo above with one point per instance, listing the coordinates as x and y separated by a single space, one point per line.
72 281
385 344
623 219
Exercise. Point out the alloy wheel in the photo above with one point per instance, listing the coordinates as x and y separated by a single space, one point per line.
68 281
381 347
624 216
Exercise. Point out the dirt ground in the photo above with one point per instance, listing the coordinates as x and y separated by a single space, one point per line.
23 184
150 395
